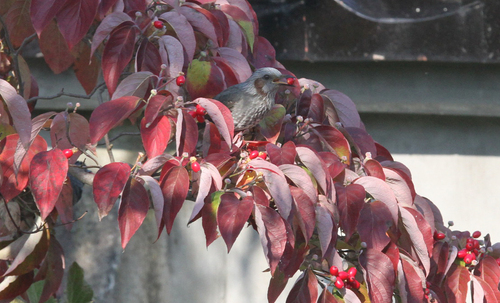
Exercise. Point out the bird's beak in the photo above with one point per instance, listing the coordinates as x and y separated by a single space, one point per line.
283 80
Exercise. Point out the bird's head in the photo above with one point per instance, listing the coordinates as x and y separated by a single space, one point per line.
267 80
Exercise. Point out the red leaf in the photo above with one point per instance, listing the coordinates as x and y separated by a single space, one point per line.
155 137
284 155
206 181
18 110
379 275
326 227
339 105
79 132
75 18
413 288
334 141
221 116
107 25
148 58
276 184
306 212
374 221
172 54
455 285
232 216
13 286
43 11
175 187
64 205
51 270
186 133
247 24
381 191
209 217
136 84
401 185
272 232
420 234
440 257
18 22
184 31
13 184
133 209
237 61
311 106
305 289
374 169
264 54
118 53
317 167
483 290
301 179
200 20
350 201
156 198
276 285
26 252
86 67
48 171
110 114
489 271
154 106
270 125
204 79
327 297
55 50
109 182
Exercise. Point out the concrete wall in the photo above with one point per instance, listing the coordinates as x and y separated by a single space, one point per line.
450 147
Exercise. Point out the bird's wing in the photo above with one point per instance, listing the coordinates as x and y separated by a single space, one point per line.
230 96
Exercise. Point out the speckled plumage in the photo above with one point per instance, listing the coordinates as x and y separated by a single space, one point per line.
249 101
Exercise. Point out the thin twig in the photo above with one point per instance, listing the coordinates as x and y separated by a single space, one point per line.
62 93
15 54
121 135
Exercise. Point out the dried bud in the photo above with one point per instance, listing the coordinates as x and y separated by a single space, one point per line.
163 66
138 14
185 154
363 245
69 104
300 119
451 223
227 181
192 159
154 92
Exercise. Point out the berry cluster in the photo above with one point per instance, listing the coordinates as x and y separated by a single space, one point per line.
345 279
199 113
252 154
471 250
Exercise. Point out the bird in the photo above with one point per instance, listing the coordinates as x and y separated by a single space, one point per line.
249 101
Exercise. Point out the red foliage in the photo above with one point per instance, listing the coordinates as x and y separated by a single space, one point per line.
312 182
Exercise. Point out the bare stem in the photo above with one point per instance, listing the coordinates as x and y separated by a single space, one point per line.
62 93
121 135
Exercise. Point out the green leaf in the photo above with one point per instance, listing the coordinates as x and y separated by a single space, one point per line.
35 292
78 291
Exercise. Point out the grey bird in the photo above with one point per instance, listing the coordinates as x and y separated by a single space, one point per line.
249 101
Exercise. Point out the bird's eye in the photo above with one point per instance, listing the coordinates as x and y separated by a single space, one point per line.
266 77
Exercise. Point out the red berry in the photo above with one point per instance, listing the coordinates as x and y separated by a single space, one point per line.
469 258
68 153
200 119
339 284
158 24
470 240
469 246
195 166
352 272
253 154
200 110
498 261
439 236
180 80
351 279
476 244
290 81
343 275
462 253
356 284
262 155
334 270
193 113
476 234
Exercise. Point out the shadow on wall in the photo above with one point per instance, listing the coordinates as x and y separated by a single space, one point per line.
438 135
